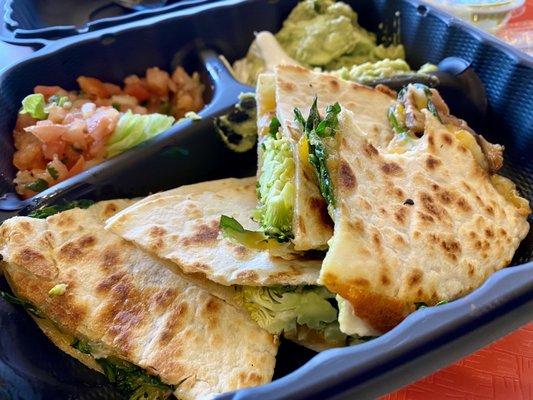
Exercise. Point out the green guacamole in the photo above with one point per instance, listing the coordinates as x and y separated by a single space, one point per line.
325 33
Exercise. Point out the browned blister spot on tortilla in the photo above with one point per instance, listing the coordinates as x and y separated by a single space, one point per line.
447 138
63 219
471 269
287 86
247 379
490 210
248 276
489 233
360 282
333 84
384 278
319 207
370 150
415 277
157 231
110 259
452 248
203 235
401 215
25 226
77 248
241 251
35 262
357 226
110 210
174 322
108 282
346 176
432 162
391 168
163 298
425 217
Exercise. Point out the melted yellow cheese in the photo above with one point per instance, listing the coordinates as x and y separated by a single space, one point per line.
469 141
507 189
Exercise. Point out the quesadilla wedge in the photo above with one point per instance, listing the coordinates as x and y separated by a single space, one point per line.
290 204
183 226
121 312
425 219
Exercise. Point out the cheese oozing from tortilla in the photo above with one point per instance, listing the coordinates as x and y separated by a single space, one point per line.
351 324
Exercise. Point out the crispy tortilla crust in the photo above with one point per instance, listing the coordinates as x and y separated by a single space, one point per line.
381 312
131 303
297 87
421 226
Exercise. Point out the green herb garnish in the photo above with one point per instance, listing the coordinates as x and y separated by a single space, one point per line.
316 129
273 128
82 346
37 186
34 105
51 210
116 106
133 380
23 303
53 172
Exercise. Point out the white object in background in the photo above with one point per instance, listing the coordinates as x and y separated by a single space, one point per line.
489 15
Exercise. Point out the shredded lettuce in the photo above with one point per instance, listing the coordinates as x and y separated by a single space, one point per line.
34 105
133 129
275 186
281 308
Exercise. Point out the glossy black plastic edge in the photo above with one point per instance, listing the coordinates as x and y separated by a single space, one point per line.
426 340
29 36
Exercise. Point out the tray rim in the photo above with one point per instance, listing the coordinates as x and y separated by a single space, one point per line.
525 285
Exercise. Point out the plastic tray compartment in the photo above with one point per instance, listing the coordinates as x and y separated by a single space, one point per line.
40 20
425 341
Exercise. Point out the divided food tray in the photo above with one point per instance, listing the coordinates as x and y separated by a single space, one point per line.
190 151
35 22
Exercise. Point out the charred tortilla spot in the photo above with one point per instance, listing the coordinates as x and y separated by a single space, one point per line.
333 84
287 86
201 267
204 234
248 276
432 162
110 259
26 227
470 269
356 227
391 168
36 263
64 220
489 233
346 175
463 204
370 150
446 197
451 248
174 322
157 231
70 251
240 251
399 193
163 298
110 209
110 281
447 138
318 205
490 210
425 217
415 277
384 278
400 215
376 239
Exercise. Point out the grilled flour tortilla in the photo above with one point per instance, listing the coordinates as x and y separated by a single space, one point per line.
292 207
116 308
182 227
425 223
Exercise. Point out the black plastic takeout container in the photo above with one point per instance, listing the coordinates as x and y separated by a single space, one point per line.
31 368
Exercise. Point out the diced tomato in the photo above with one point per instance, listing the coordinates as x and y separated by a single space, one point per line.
47 131
48 91
157 81
93 87
138 91
76 168
112 89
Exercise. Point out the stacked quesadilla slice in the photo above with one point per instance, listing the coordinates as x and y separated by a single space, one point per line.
183 226
424 219
120 311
